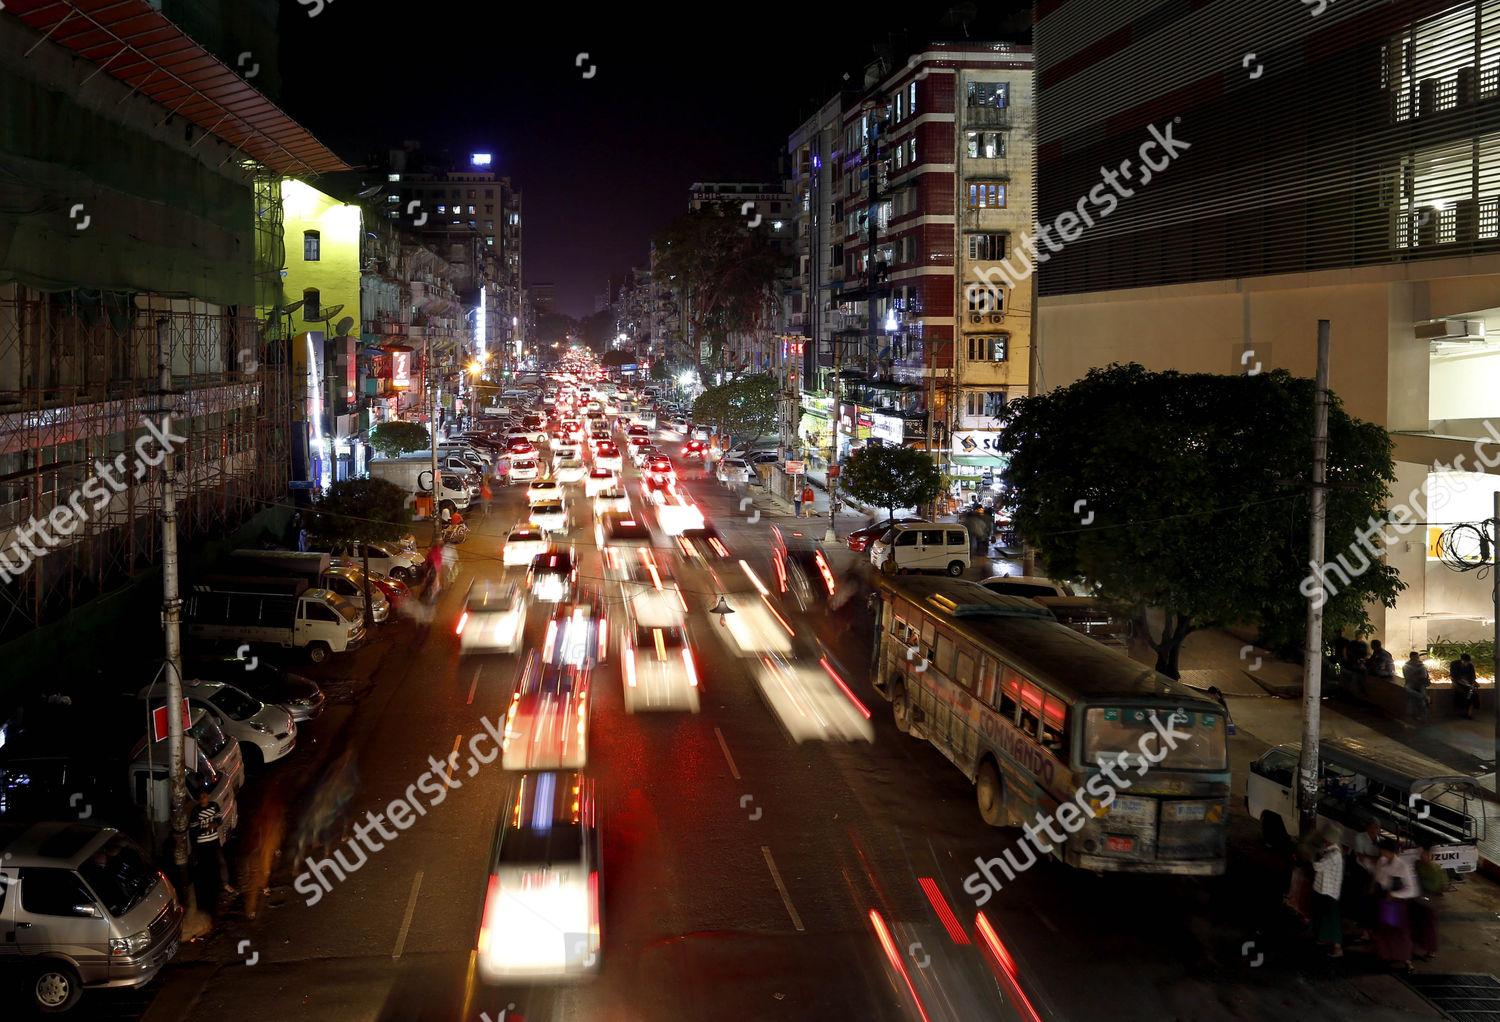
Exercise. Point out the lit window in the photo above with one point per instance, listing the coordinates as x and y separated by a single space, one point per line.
989 349
988 145
982 298
992 94
393 177
311 246
489 241
442 209
393 198
986 195
471 208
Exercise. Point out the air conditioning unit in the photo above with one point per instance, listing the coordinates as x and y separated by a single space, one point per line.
976 317
1455 330
997 317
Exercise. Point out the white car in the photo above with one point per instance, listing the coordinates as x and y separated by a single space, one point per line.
542 910
493 618
386 558
676 513
701 433
639 456
811 700
609 458
660 673
733 470
600 480
547 725
265 733
522 471
568 470
616 500
543 489
522 545
550 515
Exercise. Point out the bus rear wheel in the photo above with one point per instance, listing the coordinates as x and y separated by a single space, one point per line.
901 710
990 795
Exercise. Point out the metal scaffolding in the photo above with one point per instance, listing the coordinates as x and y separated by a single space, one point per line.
77 385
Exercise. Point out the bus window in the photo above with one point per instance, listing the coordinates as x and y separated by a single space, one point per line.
929 631
1010 695
986 690
964 675
944 661
898 627
1031 708
1055 726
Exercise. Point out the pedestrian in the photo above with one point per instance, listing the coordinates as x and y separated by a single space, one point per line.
1465 686
210 872
485 494
1397 881
797 504
1380 664
988 522
1340 647
1359 879
974 521
1357 652
434 572
807 499
1298 896
1424 907
1415 673
1328 880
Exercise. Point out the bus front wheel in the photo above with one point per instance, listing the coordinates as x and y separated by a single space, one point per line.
901 709
990 795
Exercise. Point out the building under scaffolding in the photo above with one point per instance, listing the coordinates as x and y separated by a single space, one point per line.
141 220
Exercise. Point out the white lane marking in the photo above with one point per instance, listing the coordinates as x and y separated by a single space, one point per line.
448 781
411 909
786 899
472 686
724 745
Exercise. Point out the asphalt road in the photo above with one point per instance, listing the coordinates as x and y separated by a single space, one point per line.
744 875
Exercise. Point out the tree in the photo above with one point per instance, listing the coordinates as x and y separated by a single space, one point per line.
892 477
361 511
743 408
1181 492
616 358
723 271
391 439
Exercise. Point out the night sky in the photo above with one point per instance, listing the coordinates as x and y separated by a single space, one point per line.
605 162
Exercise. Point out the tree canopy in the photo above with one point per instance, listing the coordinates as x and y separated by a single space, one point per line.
361 511
392 439
616 358
740 408
1186 493
723 271
891 477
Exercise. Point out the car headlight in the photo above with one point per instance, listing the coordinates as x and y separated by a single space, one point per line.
131 945
256 725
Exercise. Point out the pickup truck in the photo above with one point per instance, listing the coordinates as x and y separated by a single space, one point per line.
283 612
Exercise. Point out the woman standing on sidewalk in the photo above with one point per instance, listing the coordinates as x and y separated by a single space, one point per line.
1328 880
1397 880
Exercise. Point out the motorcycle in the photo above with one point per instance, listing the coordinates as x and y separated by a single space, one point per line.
455 533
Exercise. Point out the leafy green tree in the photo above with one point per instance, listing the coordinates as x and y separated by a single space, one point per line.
740 408
616 358
892 477
1185 493
361 511
722 271
391 439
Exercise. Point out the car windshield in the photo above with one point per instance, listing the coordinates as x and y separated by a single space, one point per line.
1111 731
235 703
119 874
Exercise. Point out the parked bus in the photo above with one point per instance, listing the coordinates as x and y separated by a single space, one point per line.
1036 714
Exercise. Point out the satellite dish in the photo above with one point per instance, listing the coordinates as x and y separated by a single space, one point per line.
325 314
342 328
293 307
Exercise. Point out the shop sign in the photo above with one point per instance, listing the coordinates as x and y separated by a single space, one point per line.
976 442
889 428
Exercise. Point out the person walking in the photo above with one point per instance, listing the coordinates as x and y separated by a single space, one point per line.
1415 673
1465 686
807 500
1327 919
796 503
1397 882
1424 907
434 572
1357 652
210 872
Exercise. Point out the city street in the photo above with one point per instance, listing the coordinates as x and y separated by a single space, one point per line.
742 872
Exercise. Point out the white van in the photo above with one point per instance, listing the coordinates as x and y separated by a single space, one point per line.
922 546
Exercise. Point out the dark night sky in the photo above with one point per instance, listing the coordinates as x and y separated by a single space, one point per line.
605 162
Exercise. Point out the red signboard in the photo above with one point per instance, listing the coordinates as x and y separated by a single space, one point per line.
400 369
159 721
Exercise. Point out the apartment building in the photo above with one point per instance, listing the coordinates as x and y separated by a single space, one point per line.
1274 167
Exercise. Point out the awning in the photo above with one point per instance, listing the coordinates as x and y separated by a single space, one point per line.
978 460
140 47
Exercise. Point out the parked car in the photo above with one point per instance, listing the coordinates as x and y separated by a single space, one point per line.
860 539
86 909
1028 586
732 470
396 591
266 681
267 733
922 546
387 558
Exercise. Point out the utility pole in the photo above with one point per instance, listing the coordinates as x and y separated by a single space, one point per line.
432 429
1312 689
171 615
1495 577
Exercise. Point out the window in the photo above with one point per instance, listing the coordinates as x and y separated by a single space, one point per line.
989 349
393 177
957 538
907 538
984 298
945 652
489 208
393 198
312 305
442 209
986 690
932 537
911 150
988 403
489 225
471 195
995 94
986 195
489 193
964 675
471 208
53 892
986 145
987 247
1031 708
455 194
1055 726
311 245
911 98
489 241
318 612
1010 694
